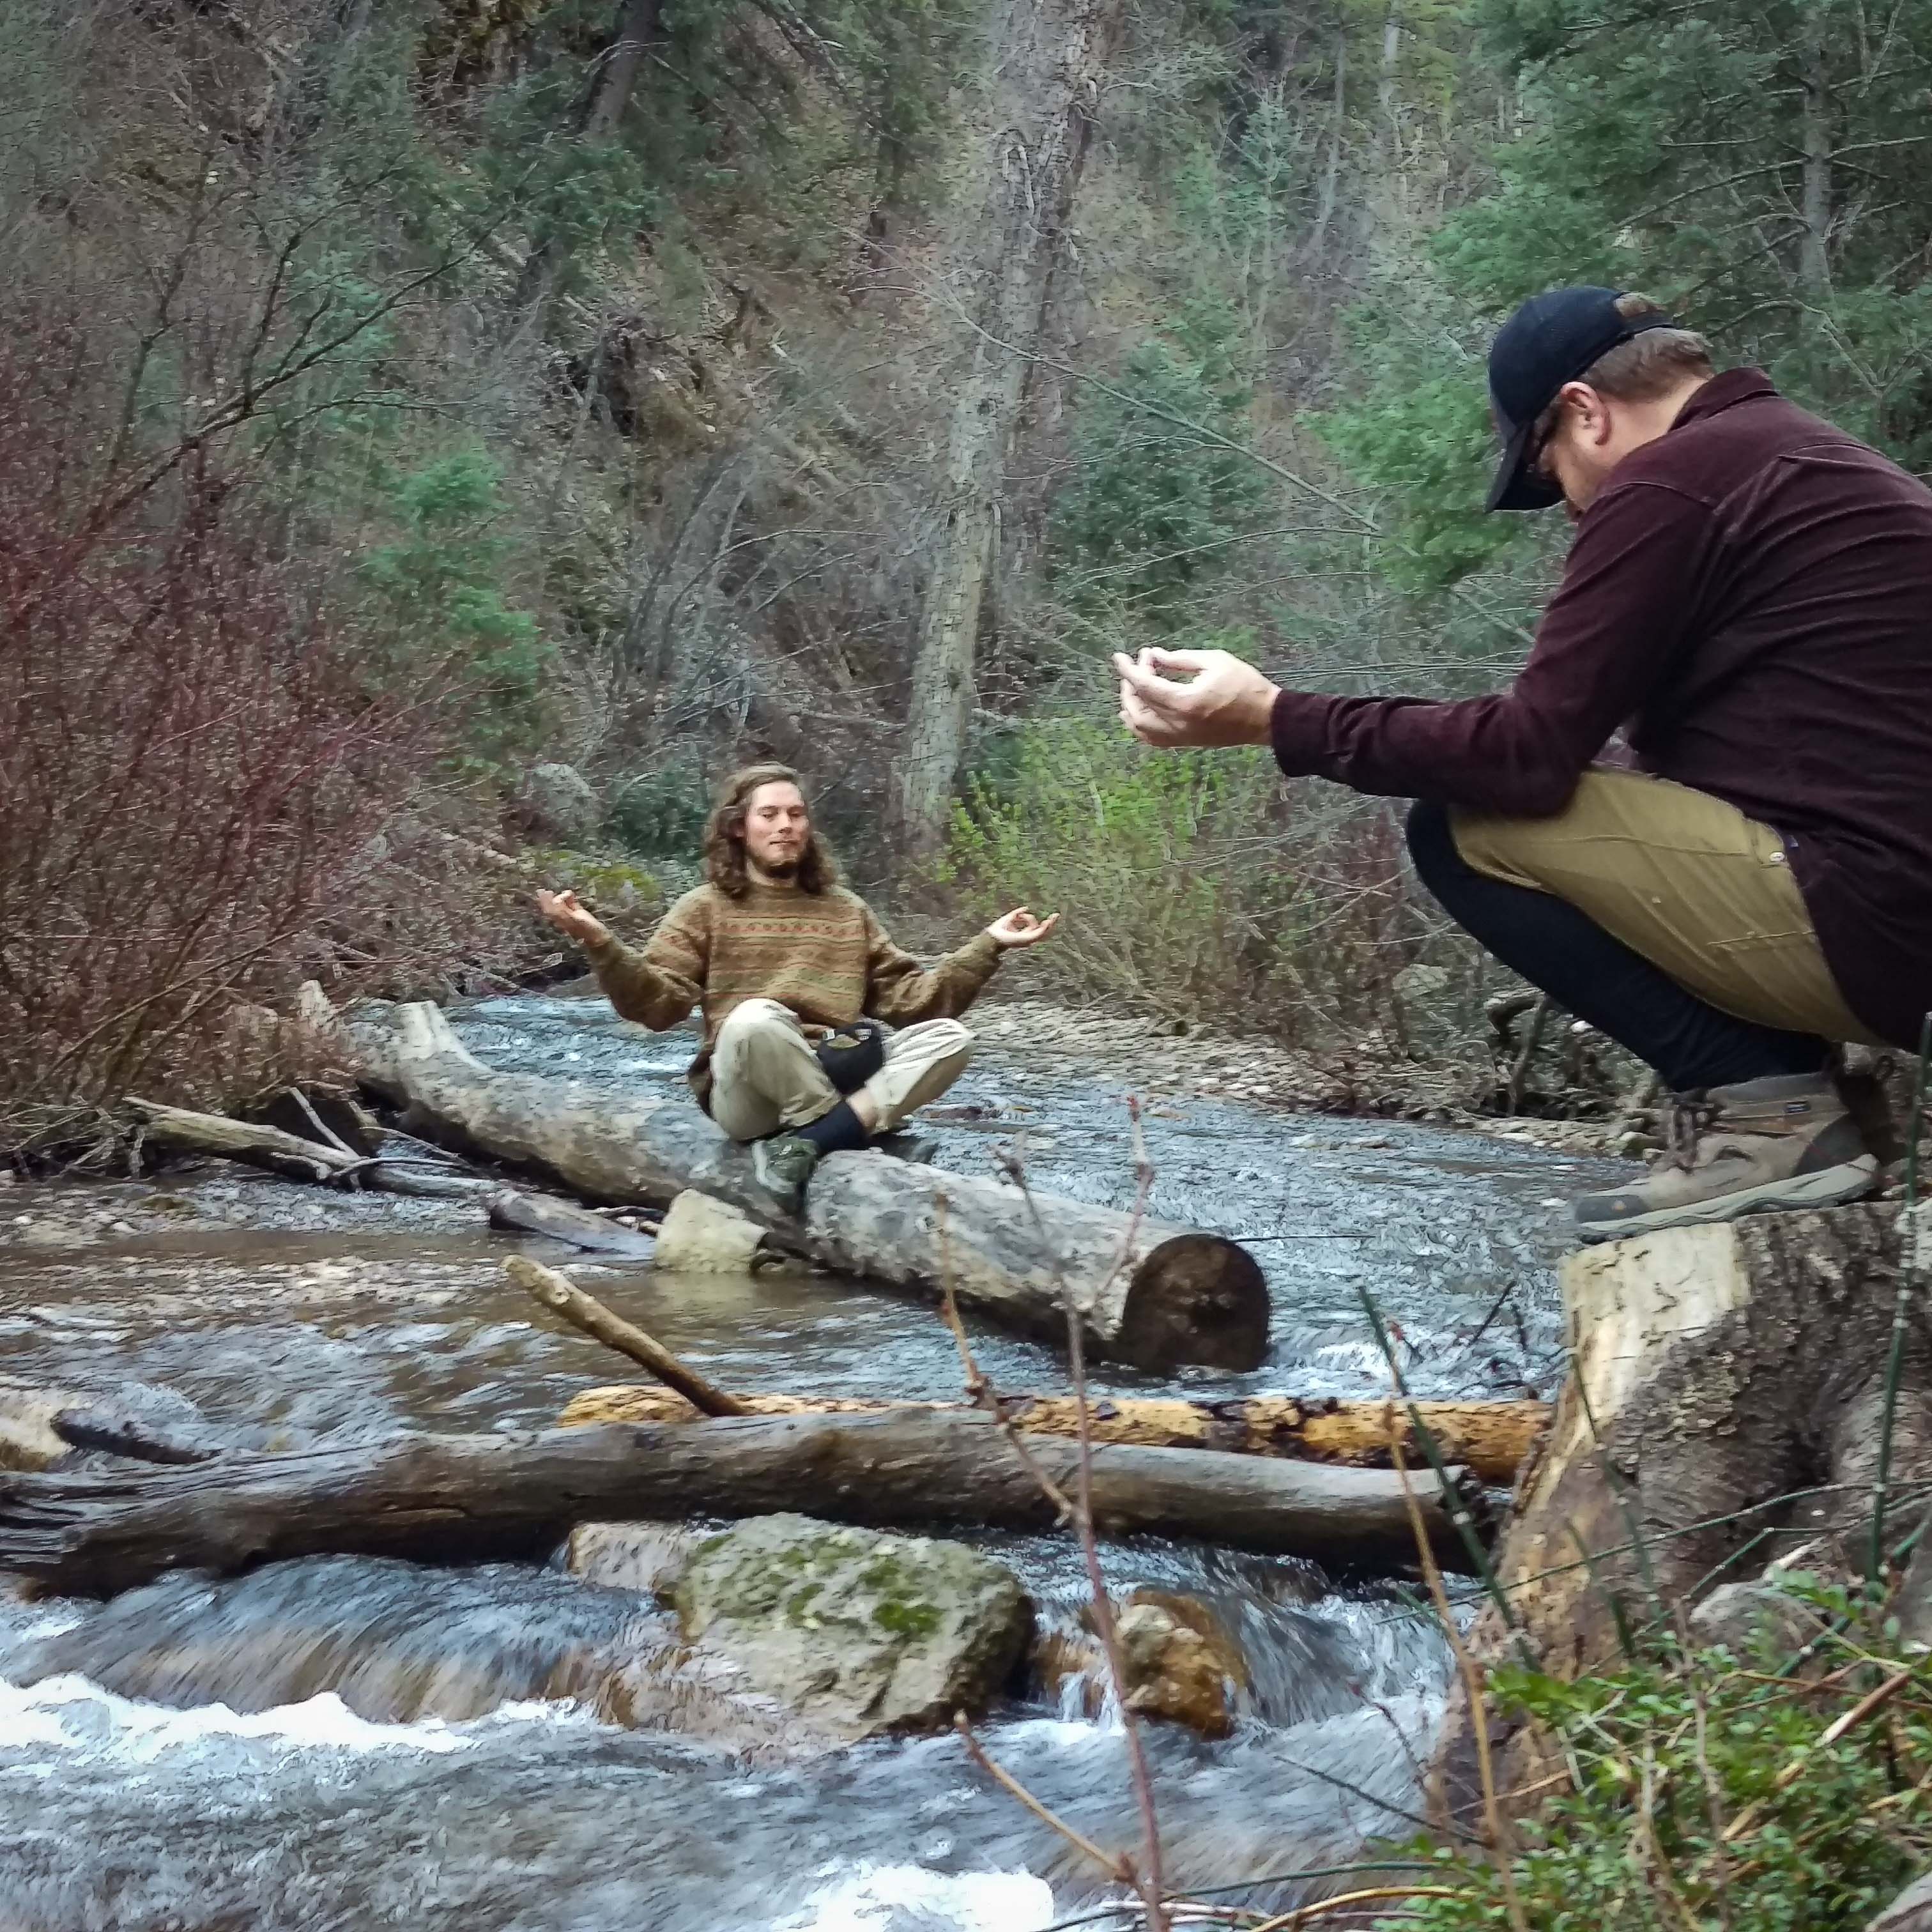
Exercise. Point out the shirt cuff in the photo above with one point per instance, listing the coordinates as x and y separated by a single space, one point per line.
980 954
1298 731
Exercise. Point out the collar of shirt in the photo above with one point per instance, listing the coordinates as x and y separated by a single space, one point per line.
1721 392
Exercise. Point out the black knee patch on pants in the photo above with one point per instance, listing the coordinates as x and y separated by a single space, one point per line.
853 1054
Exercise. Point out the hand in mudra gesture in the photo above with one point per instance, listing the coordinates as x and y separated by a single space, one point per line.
1019 928
572 918
1170 698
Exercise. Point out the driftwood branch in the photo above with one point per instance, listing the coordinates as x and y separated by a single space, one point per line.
257 1145
585 1313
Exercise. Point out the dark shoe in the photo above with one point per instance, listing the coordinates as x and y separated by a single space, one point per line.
1786 1141
920 1149
784 1163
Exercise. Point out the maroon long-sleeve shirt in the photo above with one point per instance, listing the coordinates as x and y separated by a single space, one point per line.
1749 597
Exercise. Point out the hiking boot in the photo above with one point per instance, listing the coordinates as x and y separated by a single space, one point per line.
1786 1141
783 1163
920 1149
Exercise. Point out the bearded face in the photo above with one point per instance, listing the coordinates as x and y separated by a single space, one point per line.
778 829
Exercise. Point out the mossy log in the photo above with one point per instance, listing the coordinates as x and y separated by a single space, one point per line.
1491 1439
470 1497
1151 1294
1727 1406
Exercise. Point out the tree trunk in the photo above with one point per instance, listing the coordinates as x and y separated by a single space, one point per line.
471 1498
1814 264
1177 1296
1491 1439
1052 57
612 81
1727 1404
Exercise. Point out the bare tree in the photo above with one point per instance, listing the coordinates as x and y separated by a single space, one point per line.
1050 58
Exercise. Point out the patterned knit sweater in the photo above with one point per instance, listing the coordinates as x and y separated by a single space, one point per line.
824 955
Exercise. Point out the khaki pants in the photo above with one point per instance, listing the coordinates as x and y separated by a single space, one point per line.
766 1075
1686 880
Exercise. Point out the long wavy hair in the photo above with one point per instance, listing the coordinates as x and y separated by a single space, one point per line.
725 864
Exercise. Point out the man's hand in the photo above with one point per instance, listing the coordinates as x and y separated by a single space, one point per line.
572 918
1224 702
1019 928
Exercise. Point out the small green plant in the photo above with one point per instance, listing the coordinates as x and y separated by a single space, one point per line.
661 812
1187 887
1698 1789
439 580
1155 503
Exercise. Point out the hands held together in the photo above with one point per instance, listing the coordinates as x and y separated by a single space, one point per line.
1222 700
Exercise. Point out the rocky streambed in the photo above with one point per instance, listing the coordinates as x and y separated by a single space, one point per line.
345 1742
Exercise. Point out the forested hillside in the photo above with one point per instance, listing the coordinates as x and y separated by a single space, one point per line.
397 399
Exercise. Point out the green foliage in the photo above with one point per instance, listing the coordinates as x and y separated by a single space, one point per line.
439 582
1182 892
1700 1793
661 811
1665 150
1155 504
1425 440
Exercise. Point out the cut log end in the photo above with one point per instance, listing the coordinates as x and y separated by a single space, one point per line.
1197 1298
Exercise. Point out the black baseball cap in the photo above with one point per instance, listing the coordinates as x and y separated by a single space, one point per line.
1552 340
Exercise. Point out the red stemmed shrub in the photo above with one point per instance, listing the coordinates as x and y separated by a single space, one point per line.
204 765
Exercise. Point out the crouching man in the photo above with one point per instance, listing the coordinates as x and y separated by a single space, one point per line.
788 968
1749 596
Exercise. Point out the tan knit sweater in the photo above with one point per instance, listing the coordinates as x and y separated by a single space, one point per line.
824 955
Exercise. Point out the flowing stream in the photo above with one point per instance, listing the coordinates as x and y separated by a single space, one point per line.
349 1743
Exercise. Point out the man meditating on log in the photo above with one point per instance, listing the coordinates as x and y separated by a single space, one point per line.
791 971
1748 595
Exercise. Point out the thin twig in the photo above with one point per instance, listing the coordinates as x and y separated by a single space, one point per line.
1150 1886
1115 1866
1500 1837
1345 1900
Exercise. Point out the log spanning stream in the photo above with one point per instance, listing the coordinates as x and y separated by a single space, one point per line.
352 1742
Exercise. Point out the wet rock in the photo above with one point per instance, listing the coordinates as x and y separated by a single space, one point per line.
857 1633
555 801
648 1557
27 1410
1179 1663
1068 1668
1753 1619
701 1235
30 1230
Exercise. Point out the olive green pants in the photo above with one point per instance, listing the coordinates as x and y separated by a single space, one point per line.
1686 880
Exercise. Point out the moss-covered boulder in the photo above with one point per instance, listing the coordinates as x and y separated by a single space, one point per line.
859 1632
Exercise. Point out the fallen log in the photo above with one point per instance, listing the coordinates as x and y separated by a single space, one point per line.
255 1143
563 1221
470 1497
1173 1296
1727 1404
1491 1439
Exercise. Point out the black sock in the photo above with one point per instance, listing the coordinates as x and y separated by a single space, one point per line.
838 1132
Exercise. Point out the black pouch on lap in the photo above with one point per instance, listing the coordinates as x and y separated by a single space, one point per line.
853 1054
